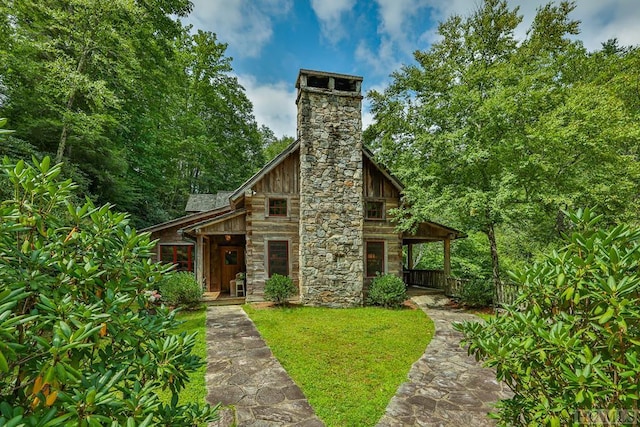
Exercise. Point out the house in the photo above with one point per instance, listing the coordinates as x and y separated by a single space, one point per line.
318 212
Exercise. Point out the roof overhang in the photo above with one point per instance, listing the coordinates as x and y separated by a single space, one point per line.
429 231
195 217
395 181
196 229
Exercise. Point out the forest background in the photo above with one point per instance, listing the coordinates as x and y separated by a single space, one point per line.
492 135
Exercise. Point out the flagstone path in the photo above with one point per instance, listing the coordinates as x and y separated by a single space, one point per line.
243 375
444 388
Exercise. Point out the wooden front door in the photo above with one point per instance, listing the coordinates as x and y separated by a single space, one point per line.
231 263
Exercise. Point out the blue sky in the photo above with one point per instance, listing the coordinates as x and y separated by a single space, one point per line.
270 40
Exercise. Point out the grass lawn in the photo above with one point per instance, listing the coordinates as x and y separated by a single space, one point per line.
348 362
485 316
195 390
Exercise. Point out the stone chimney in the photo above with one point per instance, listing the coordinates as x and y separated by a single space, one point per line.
331 189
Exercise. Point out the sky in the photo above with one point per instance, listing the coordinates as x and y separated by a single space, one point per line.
271 40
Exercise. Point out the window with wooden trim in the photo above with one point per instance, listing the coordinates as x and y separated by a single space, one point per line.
181 255
374 209
277 207
374 258
278 257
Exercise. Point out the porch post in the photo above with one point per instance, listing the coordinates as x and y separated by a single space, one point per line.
410 256
200 261
447 257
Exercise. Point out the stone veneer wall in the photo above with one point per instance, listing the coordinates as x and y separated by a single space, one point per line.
331 197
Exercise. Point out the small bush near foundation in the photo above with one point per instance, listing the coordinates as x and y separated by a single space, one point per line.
477 292
279 289
180 290
388 291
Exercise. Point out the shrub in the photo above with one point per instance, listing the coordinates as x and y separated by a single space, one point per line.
180 290
388 291
477 292
77 343
569 345
279 289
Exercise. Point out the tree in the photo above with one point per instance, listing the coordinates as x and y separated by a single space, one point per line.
273 146
146 111
79 342
70 70
494 134
568 347
216 145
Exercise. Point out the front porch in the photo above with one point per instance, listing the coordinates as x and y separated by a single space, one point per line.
217 298
441 279
433 279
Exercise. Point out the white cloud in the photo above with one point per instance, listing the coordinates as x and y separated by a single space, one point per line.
367 115
395 15
382 60
274 104
329 13
609 19
600 19
245 24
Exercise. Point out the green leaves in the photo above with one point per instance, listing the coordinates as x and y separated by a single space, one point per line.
489 132
76 342
142 111
570 342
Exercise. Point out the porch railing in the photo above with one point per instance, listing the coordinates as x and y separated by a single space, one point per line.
428 278
506 293
451 286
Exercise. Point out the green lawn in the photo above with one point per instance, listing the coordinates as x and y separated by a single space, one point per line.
485 316
348 362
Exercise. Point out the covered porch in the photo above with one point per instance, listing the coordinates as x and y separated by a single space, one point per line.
431 232
220 259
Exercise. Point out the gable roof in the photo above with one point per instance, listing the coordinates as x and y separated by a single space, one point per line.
207 202
290 150
187 219
265 170
194 228
395 181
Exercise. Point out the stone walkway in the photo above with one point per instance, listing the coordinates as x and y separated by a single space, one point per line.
446 387
243 374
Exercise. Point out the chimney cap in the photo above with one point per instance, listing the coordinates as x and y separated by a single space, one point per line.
328 81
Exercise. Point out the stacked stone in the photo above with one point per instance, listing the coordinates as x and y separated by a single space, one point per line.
331 196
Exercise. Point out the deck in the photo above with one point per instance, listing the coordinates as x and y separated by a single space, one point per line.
434 279
217 298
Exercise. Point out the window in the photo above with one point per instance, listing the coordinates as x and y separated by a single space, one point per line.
374 258
374 210
277 207
231 257
278 257
182 255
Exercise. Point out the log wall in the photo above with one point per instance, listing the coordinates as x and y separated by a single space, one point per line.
281 182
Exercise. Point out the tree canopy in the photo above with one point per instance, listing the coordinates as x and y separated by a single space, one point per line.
141 109
498 135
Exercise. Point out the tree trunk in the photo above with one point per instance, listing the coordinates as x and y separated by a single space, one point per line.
491 235
62 144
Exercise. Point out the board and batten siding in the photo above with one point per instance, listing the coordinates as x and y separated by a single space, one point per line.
378 187
282 183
